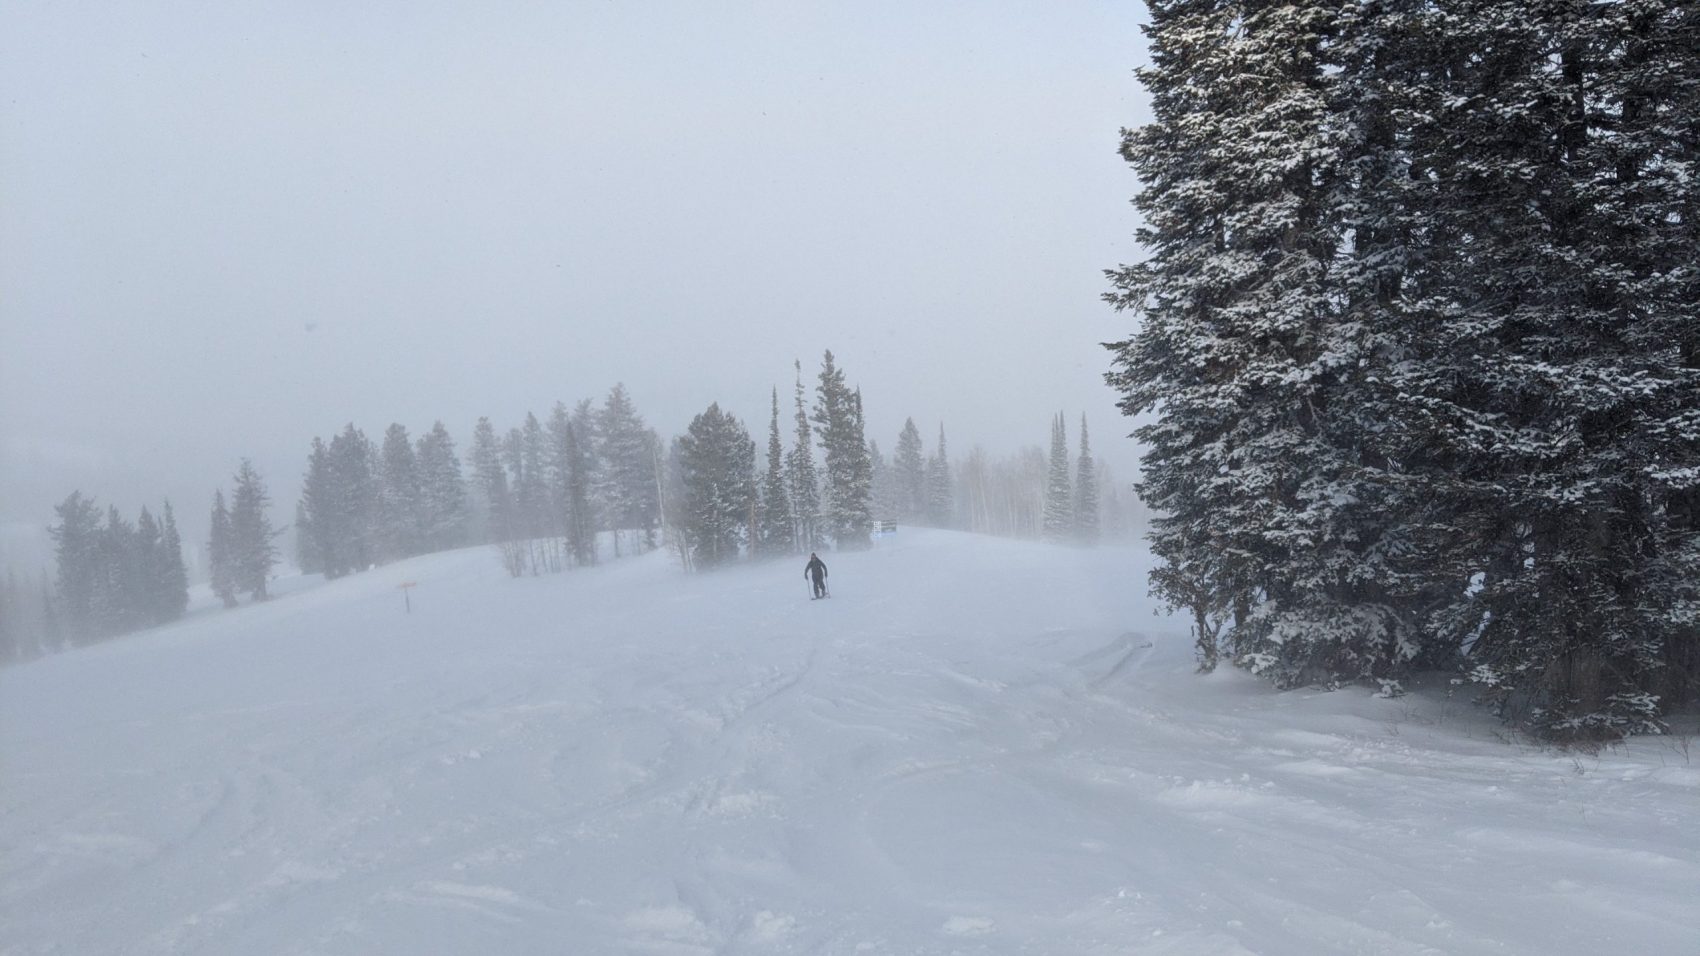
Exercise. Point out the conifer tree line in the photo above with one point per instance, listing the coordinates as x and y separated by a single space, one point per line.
727 499
541 493
114 576
565 491
723 510
1420 326
241 551
1045 494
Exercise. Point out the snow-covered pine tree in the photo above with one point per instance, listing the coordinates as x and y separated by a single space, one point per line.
838 418
77 548
400 490
531 497
861 520
1085 491
1547 374
150 585
628 455
252 553
1268 515
172 574
1059 502
442 491
577 447
674 506
490 478
319 524
773 536
489 482
717 463
802 479
220 557
558 471
883 496
118 600
909 474
354 500
941 486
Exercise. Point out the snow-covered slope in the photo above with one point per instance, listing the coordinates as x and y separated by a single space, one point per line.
976 746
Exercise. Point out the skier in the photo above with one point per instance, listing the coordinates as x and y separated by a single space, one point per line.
816 570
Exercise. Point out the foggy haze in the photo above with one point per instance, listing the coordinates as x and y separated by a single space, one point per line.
227 229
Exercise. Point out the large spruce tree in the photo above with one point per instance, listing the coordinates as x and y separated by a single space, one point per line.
76 542
252 553
849 474
221 560
628 451
941 486
1417 324
802 478
773 533
1086 528
442 491
909 474
400 489
717 471
1059 492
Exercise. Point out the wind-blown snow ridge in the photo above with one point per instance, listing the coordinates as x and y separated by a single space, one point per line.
977 746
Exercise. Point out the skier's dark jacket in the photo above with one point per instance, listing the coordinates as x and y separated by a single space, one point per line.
815 567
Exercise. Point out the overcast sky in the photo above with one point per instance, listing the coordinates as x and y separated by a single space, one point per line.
226 228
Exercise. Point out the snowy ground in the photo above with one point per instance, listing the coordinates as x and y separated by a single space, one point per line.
977 746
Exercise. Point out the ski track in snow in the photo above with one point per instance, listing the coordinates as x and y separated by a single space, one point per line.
977 746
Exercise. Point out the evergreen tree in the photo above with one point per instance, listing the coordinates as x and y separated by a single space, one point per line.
148 573
578 482
534 495
442 491
171 574
489 482
77 549
885 485
586 482
399 500
118 601
717 462
1086 528
909 473
252 554
773 535
355 501
1547 324
490 477
321 522
802 479
838 415
221 555
1059 505
561 463
526 456
628 455
1415 322
1244 346
941 505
